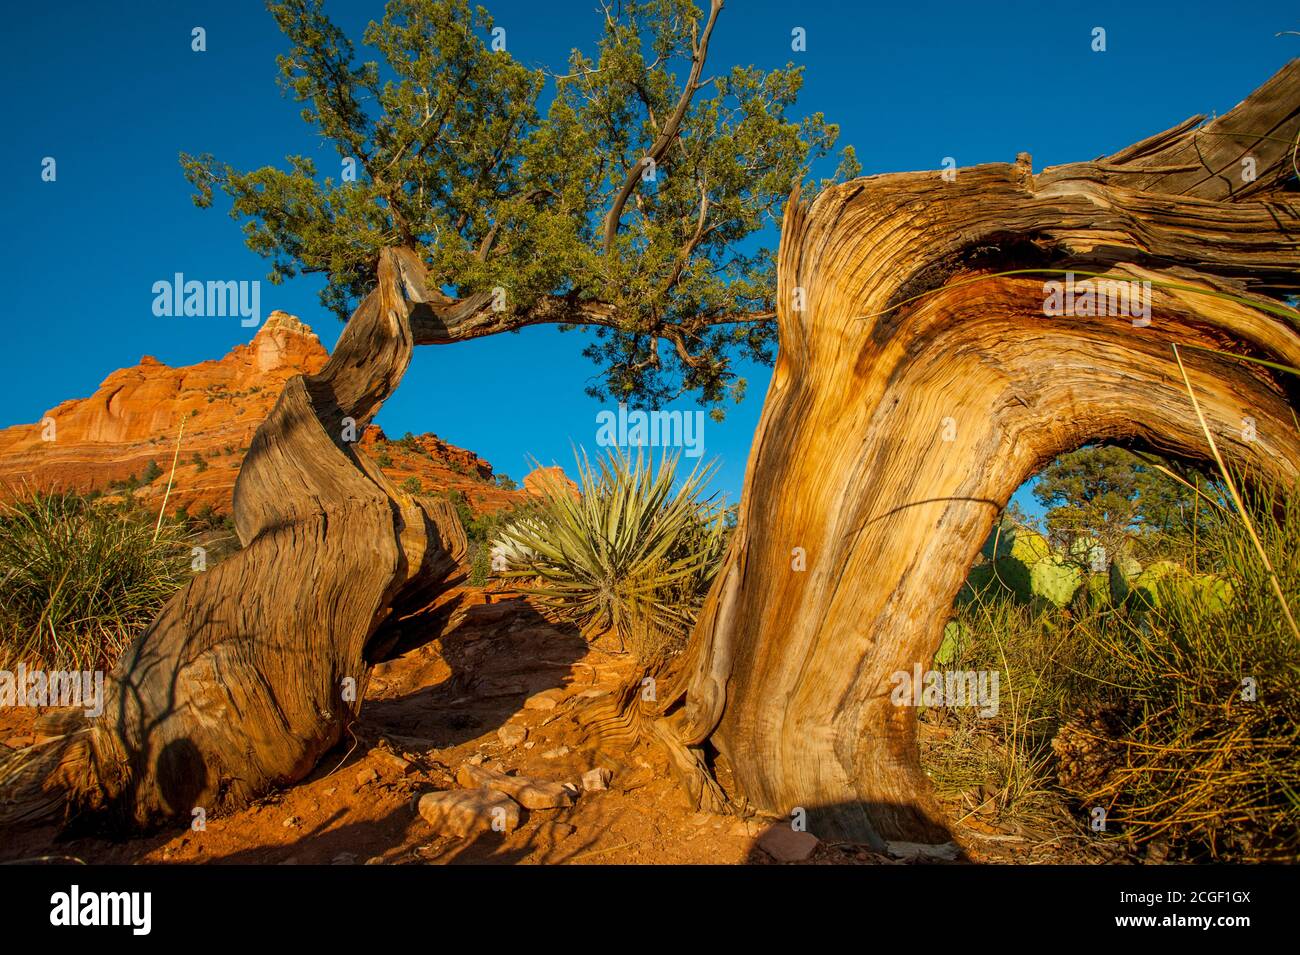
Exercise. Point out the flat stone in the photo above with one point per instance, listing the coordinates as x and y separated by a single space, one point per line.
367 775
512 734
946 851
594 780
464 812
546 700
529 793
558 753
787 845
399 763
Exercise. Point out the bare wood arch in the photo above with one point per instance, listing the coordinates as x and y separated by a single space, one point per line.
237 685
908 334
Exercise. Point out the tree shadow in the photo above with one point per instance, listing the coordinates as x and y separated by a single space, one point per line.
782 836
474 675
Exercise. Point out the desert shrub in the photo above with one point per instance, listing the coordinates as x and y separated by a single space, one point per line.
1177 709
1195 745
412 485
199 461
151 473
78 580
1043 670
384 459
628 553
505 482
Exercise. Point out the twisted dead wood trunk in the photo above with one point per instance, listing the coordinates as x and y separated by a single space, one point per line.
252 671
916 389
906 405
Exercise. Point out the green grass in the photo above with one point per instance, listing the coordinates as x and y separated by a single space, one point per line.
79 580
1144 710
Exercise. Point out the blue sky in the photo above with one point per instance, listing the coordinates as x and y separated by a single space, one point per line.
113 92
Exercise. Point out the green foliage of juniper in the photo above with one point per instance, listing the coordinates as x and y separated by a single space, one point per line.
1108 497
501 175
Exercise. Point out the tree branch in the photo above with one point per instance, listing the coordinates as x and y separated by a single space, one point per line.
670 130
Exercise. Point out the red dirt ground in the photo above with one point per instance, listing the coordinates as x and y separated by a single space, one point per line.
437 707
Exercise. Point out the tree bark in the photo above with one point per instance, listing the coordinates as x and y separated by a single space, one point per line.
252 671
916 389
907 403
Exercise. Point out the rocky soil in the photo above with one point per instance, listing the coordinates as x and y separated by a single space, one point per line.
481 718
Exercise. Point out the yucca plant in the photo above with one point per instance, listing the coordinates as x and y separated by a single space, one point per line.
634 551
79 580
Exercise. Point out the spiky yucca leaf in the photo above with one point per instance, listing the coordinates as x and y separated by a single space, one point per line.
628 552
79 580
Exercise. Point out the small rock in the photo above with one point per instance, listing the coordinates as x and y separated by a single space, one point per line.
512 734
922 850
530 744
367 775
594 780
529 793
746 827
546 700
463 812
399 763
787 845
478 759
290 823
558 753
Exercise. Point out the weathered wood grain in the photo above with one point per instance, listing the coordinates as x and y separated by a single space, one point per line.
253 670
896 428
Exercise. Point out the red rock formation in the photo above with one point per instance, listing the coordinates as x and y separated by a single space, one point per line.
533 480
136 414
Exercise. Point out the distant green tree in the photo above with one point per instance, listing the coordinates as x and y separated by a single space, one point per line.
627 194
1110 495
151 473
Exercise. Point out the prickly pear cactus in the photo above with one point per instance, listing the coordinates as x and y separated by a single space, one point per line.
1165 579
1214 590
1088 552
953 635
1099 597
1148 586
1124 569
1010 553
1055 580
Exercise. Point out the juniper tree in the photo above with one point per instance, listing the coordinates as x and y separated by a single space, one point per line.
628 193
